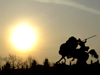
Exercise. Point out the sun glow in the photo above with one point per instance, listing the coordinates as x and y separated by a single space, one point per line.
23 37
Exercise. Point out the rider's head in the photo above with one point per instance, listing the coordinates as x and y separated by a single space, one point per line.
79 40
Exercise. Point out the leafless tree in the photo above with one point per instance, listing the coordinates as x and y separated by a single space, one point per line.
18 62
30 60
1 60
13 60
25 64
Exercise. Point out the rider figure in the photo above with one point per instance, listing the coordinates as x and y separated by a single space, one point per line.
82 44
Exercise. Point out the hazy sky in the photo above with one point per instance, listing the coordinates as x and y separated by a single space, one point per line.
54 21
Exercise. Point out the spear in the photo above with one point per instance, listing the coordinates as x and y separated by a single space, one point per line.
90 37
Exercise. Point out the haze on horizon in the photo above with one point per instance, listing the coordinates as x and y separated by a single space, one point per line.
54 21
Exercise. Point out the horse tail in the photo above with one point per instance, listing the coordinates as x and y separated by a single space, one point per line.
93 53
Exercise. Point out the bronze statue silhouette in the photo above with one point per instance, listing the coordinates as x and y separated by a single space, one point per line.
69 50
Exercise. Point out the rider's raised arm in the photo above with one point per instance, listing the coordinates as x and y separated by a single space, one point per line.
85 41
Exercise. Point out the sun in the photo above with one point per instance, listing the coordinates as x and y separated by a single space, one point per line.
23 37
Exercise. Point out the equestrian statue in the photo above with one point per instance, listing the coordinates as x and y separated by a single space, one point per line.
69 50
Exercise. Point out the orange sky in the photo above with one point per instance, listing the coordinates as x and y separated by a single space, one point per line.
53 22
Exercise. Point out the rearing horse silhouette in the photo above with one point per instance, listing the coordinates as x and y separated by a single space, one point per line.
82 57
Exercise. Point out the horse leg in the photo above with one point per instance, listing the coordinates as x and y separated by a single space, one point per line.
78 62
65 60
82 60
61 59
